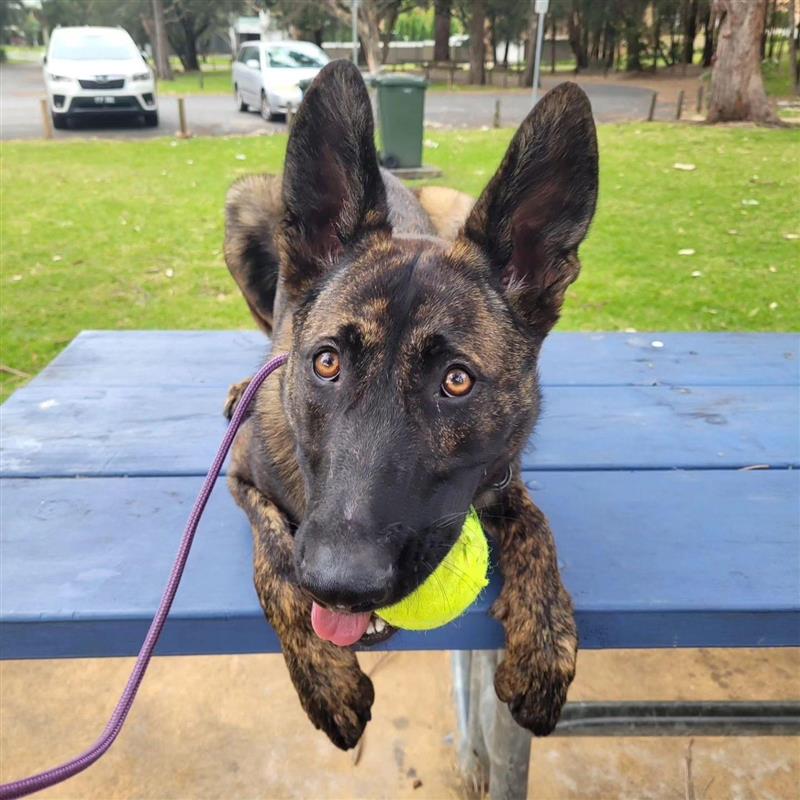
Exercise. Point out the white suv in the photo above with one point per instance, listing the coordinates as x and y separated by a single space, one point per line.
97 70
266 75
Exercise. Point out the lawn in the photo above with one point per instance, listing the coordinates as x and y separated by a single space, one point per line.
129 234
213 80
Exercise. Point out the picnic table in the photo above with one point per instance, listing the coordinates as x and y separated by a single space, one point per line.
667 464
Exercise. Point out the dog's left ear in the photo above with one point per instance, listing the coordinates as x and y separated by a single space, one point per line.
333 192
537 208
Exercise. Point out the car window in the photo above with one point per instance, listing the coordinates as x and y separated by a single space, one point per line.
294 58
93 45
245 53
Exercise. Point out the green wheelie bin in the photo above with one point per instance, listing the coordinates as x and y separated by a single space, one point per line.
401 108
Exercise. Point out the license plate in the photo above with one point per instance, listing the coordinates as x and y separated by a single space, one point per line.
105 101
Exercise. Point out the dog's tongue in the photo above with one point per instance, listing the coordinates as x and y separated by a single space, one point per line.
337 627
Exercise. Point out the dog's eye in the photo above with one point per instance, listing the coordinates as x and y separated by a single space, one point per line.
326 365
457 382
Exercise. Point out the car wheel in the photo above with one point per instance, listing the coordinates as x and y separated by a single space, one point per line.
151 119
240 103
266 111
60 121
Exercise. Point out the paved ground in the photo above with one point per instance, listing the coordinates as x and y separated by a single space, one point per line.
214 115
212 727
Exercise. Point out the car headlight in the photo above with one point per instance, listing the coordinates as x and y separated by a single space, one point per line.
58 78
141 76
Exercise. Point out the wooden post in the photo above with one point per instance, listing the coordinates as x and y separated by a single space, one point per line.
47 122
652 107
679 106
496 121
184 131
452 74
700 98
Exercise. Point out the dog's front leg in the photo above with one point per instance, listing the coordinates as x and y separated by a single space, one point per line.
536 613
335 693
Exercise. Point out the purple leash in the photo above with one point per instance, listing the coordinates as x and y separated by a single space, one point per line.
36 783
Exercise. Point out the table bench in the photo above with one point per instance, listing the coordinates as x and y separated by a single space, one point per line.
667 464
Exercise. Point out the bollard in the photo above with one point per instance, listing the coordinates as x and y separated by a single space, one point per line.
496 121
47 122
679 106
183 133
700 98
652 107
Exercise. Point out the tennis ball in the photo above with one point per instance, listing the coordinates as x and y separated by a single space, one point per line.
451 588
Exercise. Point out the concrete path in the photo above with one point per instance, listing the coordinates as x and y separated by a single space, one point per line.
213 727
21 86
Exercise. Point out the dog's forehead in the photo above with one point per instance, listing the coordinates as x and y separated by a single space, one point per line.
407 291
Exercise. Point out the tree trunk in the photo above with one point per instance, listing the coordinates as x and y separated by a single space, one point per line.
690 32
388 28
190 61
737 91
505 53
575 33
370 31
794 66
477 43
553 44
160 50
491 37
708 44
441 33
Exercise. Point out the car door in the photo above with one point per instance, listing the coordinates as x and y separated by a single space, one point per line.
253 75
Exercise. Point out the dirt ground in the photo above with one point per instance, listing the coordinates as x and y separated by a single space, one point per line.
232 727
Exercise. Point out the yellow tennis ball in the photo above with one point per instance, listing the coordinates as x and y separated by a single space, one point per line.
451 588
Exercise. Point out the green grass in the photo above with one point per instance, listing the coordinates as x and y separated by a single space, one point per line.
129 234
777 78
214 81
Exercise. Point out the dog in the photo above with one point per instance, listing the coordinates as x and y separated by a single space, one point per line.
413 324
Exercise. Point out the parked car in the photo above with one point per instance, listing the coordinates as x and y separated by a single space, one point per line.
266 75
92 70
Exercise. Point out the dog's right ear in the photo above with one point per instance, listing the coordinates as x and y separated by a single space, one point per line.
333 192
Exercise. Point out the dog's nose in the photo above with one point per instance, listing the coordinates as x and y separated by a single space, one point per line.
355 581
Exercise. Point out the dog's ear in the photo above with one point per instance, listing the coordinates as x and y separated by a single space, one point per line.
537 208
333 192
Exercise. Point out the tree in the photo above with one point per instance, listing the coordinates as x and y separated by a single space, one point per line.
794 32
442 10
477 42
689 30
163 68
737 90
371 14
190 22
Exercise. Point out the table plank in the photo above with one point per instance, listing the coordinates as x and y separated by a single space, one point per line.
682 559
219 358
155 430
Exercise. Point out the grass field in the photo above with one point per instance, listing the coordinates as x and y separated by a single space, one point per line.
128 234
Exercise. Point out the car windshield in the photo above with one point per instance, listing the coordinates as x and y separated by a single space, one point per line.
294 58
91 45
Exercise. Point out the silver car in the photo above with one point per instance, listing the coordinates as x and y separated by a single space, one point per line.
266 75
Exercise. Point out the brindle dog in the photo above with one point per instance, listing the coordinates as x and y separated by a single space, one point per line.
410 390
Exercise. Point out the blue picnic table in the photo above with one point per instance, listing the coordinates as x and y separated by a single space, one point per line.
667 464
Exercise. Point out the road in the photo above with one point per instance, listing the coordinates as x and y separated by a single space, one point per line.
21 87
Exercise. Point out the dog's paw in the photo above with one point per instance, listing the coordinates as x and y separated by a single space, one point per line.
539 665
340 705
232 400
535 693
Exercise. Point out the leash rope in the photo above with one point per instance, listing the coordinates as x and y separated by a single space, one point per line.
35 783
